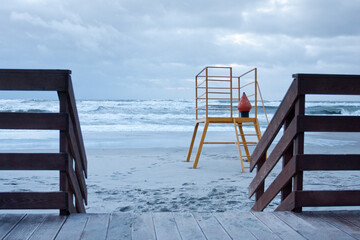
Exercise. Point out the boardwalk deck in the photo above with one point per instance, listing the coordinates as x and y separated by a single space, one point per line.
234 225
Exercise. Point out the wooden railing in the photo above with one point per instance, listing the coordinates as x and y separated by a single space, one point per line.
290 147
71 160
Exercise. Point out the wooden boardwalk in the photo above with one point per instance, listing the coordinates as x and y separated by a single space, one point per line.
167 226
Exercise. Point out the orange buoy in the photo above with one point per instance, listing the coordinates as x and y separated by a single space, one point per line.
244 105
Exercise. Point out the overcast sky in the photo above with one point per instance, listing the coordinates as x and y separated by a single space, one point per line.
119 49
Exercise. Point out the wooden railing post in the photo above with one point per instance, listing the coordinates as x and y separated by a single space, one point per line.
64 148
299 146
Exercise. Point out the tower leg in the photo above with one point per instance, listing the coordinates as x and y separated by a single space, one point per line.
257 129
201 144
242 134
238 145
192 142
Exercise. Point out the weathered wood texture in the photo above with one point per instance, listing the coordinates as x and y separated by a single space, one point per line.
33 200
194 226
290 147
72 181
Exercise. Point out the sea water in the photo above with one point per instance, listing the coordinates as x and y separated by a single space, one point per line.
142 123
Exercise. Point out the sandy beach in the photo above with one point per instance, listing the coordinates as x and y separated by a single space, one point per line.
157 177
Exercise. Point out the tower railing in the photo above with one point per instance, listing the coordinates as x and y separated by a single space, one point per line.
217 90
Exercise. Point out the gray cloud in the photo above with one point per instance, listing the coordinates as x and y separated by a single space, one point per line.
150 49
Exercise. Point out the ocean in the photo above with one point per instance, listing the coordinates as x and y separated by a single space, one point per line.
138 123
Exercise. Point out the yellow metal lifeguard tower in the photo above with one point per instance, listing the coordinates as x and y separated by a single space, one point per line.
216 92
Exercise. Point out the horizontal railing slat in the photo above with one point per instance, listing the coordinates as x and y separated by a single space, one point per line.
33 161
42 121
33 80
322 162
328 198
33 200
273 158
329 123
275 125
328 84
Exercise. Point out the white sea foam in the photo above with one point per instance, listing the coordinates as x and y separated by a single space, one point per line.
151 116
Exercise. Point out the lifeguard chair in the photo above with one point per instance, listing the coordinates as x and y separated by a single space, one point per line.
217 94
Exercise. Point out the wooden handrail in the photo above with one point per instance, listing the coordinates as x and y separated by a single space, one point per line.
72 150
275 124
290 147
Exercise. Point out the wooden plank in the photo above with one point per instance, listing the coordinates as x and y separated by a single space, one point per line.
350 216
277 226
234 225
120 226
328 84
33 200
269 164
49 228
8 223
165 226
210 226
188 227
328 198
26 227
43 121
328 230
96 227
143 227
32 161
239 225
338 222
37 80
73 227
305 228
279 182
275 125
329 123
331 162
